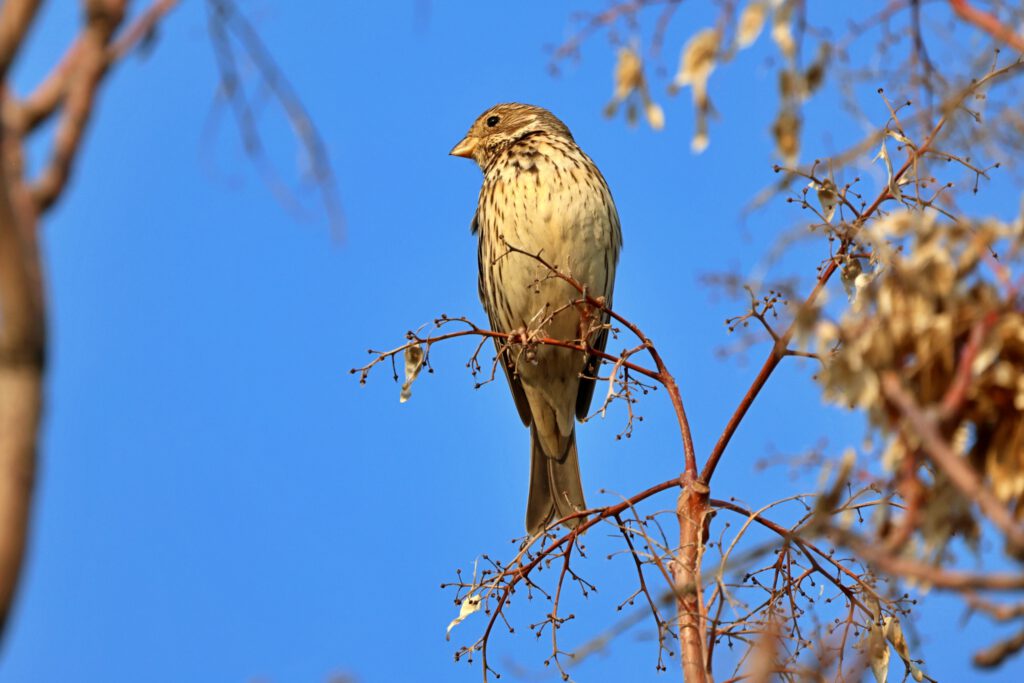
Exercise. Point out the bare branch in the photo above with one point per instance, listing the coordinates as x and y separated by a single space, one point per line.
988 23
994 655
224 22
43 102
87 71
22 345
15 19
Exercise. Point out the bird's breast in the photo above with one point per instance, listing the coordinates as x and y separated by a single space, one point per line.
555 204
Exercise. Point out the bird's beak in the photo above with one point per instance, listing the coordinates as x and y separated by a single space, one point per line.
465 148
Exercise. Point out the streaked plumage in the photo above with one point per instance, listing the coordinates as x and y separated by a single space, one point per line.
542 194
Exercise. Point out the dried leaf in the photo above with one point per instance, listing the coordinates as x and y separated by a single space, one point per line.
827 197
829 497
697 62
655 115
695 66
899 137
926 292
878 652
751 23
850 271
814 76
413 365
883 154
894 634
782 32
631 86
629 73
786 131
865 279
700 140
469 605
791 85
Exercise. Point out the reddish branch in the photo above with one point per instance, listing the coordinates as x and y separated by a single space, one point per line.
692 507
691 510
651 602
988 23
520 571
955 396
475 331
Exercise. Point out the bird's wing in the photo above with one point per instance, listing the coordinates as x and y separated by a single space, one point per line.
593 364
588 378
518 395
507 363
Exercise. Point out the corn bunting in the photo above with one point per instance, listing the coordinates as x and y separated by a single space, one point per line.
543 195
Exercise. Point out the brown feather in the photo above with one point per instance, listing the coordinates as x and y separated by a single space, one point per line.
542 194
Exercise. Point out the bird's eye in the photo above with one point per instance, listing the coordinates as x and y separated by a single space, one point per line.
493 121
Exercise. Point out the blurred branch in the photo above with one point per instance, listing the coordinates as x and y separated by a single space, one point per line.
15 19
22 345
39 105
937 577
988 23
955 467
84 77
995 655
595 22
141 30
70 89
996 611
227 25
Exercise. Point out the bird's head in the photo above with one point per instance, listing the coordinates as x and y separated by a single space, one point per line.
503 125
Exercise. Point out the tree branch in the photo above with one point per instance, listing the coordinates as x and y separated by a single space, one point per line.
988 23
779 348
22 343
90 65
43 102
15 19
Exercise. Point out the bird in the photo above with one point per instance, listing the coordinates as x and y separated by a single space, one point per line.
543 196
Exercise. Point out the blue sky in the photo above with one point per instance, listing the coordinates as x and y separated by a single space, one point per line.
218 500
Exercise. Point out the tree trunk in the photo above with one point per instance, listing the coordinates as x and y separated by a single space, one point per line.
691 509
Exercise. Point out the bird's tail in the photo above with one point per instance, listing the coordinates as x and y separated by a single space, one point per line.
555 486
